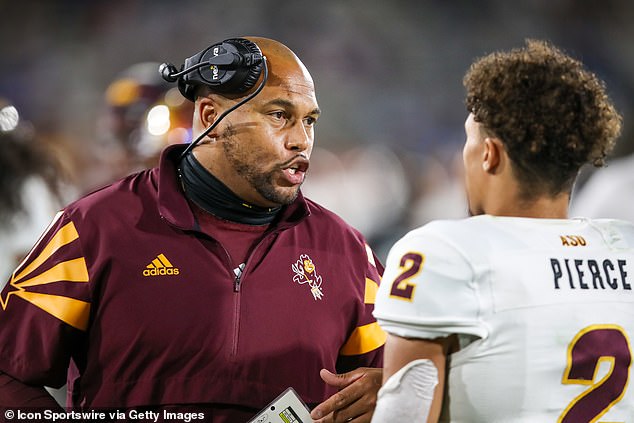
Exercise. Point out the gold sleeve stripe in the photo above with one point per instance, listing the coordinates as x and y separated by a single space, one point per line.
69 310
71 271
48 228
371 289
370 254
364 339
65 235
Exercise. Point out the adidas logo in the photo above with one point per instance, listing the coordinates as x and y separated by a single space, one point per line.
160 266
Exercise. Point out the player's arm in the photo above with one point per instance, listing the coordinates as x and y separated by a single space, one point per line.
424 273
401 351
16 394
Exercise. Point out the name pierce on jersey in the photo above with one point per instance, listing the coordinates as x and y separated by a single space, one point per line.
590 274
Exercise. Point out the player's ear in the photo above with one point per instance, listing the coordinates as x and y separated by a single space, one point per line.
492 154
205 111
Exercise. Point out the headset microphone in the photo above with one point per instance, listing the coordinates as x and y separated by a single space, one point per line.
232 66
169 72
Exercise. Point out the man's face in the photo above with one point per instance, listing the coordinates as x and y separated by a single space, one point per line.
268 141
472 155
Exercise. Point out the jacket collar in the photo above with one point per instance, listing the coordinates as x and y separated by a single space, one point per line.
174 207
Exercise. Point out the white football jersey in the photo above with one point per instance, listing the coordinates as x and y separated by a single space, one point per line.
543 308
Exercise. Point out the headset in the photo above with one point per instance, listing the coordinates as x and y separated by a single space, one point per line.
231 66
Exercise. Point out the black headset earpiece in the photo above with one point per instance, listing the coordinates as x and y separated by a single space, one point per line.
232 66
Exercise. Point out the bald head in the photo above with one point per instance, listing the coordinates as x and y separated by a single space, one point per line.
285 68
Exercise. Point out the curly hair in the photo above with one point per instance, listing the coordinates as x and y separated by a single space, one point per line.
552 115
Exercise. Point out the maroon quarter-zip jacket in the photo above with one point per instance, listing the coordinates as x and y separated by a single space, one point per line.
152 313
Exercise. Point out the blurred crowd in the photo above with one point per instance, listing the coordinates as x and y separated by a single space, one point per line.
82 102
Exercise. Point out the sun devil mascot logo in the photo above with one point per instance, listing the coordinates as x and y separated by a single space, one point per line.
305 272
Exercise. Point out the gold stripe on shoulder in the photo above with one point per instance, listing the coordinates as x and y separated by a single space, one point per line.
74 270
65 235
364 339
69 310
371 289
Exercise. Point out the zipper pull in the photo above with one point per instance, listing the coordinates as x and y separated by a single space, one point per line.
238 272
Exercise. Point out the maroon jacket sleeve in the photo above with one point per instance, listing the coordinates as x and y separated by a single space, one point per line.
45 308
364 347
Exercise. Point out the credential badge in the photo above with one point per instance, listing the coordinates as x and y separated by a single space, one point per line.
305 272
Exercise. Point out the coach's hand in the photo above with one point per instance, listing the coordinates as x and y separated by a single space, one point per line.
355 400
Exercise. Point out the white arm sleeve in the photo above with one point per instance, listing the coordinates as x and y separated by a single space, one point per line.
407 395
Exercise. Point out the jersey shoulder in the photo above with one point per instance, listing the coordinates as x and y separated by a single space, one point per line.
460 235
479 236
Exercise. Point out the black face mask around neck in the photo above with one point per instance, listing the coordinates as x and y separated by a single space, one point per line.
214 197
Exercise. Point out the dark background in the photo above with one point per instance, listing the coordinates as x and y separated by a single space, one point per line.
388 76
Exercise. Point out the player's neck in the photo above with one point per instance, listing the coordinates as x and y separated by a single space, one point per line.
543 207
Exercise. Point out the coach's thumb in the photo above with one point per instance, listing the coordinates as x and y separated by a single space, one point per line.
340 380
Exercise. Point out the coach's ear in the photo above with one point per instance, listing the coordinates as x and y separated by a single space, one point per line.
494 157
205 111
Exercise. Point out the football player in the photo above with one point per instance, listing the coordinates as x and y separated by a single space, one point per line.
525 314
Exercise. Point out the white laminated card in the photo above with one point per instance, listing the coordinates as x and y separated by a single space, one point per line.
286 408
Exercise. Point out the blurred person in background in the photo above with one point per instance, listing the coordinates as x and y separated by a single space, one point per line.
378 180
608 193
33 189
141 114
30 187
509 315
439 192
209 284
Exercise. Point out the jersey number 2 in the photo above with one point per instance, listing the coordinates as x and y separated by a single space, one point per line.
588 349
402 288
